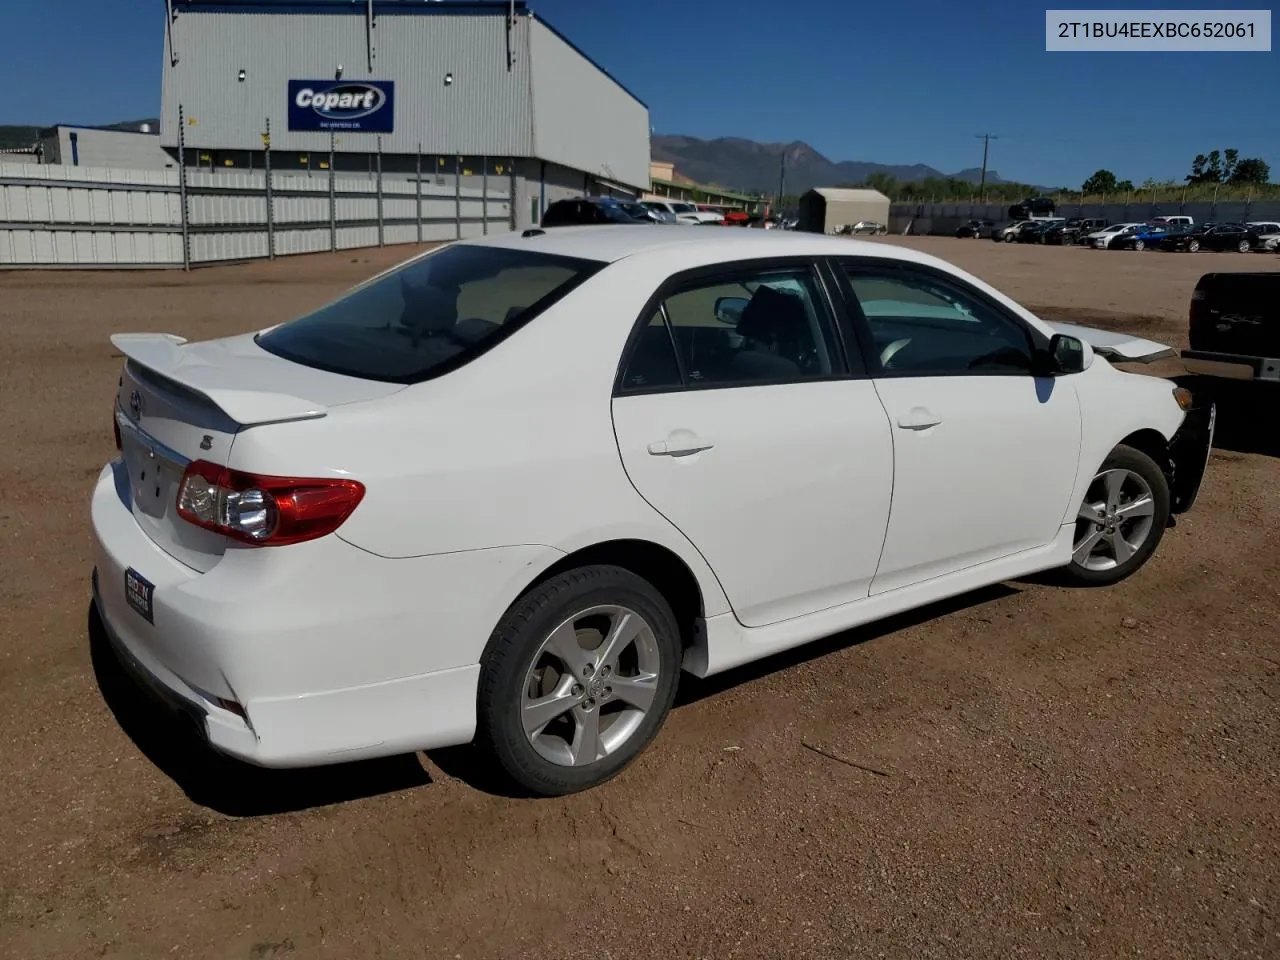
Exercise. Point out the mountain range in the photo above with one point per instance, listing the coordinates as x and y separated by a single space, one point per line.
738 164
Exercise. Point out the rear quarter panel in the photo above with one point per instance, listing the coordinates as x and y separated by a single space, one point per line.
515 448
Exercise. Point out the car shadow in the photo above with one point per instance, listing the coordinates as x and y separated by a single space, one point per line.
1247 413
221 783
479 772
238 789
694 689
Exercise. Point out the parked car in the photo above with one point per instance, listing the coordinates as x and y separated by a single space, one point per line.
1175 221
1033 207
641 212
1077 228
578 211
1234 328
975 228
1009 232
1034 232
1101 239
1148 235
1219 236
1061 232
685 213
1267 242
1267 234
348 535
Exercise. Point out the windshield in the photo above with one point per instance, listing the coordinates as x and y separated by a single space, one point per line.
429 316
683 208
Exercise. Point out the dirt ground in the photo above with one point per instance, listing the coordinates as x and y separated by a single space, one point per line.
1040 772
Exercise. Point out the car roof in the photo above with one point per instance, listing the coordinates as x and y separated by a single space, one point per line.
612 243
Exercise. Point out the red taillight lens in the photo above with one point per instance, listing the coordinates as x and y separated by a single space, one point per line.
261 510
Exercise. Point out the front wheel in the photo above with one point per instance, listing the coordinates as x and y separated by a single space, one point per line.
1139 245
1244 246
1193 246
1121 520
577 678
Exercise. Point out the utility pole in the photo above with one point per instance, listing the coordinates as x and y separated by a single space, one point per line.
986 139
782 181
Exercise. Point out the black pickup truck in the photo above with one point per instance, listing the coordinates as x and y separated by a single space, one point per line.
1235 327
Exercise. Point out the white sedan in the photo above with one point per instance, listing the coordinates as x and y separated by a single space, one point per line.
507 491
1101 239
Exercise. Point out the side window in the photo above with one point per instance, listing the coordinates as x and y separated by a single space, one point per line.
652 364
765 327
926 327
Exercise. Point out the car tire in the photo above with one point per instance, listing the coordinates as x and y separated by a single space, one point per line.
1193 246
1121 520
1244 246
1008 238
1139 245
588 603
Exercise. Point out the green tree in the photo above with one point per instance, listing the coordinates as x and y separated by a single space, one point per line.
1124 186
1230 158
1103 181
1251 170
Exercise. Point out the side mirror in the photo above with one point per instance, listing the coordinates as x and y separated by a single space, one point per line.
1069 354
729 309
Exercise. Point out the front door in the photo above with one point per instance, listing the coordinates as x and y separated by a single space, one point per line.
985 453
738 419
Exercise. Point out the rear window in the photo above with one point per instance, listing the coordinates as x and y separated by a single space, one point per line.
429 316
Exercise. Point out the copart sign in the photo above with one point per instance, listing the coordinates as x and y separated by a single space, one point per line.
366 106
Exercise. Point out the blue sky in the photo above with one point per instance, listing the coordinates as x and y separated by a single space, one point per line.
889 82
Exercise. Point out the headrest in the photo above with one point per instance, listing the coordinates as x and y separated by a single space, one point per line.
773 315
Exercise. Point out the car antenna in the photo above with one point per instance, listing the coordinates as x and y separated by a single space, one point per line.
534 232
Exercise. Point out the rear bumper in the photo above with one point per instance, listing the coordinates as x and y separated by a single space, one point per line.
310 654
1189 456
1232 366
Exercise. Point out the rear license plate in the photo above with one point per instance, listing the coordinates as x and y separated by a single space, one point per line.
140 592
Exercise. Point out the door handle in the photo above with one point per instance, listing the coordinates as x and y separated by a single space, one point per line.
919 419
675 448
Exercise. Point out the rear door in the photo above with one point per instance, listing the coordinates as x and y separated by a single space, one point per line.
739 417
985 452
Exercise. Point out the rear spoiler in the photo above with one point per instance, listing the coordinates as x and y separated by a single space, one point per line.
222 385
1116 346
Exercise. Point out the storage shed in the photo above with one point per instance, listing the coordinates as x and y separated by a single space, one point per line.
825 209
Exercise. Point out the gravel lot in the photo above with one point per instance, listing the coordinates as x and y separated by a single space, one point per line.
1031 771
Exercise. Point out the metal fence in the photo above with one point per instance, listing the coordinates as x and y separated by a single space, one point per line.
944 218
70 216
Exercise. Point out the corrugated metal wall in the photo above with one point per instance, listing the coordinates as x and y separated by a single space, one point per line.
111 148
484 111
582 118
56 215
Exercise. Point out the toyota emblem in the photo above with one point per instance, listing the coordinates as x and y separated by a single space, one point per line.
135 405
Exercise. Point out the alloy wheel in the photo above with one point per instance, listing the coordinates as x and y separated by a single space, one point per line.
1115 520
590 685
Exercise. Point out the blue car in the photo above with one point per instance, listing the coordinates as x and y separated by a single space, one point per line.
1142 238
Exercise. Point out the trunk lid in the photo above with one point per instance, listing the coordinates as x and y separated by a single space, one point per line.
178 402
1236 313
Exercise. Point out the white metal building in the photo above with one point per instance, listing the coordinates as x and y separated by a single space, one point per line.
824 209
470 89
95 147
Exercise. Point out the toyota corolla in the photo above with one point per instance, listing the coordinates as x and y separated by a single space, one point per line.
510 490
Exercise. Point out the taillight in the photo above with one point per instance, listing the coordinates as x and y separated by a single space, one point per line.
261 510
